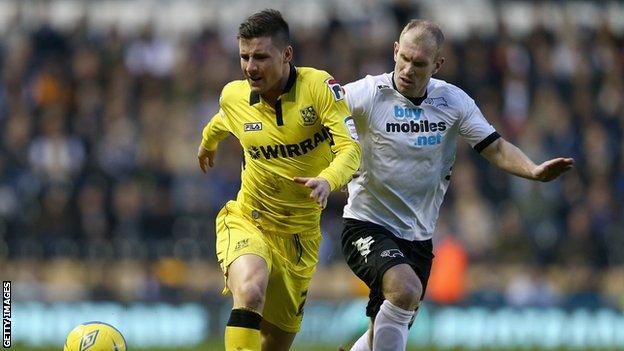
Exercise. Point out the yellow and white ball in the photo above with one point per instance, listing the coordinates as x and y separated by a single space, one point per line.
95 336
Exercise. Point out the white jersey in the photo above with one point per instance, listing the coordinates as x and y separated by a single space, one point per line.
408 152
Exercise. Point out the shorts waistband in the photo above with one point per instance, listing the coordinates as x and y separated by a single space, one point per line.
271 224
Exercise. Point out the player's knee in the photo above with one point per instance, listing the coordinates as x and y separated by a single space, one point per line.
250 295
404 294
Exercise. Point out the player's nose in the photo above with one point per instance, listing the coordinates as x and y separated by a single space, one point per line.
410 70
252 66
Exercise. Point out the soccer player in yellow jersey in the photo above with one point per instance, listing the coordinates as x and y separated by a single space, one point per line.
298 138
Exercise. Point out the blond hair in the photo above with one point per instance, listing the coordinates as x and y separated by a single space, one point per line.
424 30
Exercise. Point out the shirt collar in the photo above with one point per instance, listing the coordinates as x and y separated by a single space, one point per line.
416 101
254 98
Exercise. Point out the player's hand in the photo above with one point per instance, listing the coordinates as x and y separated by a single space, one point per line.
205 158
320 188
552 169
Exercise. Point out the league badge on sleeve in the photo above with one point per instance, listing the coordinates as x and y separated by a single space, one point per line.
351 127
335 88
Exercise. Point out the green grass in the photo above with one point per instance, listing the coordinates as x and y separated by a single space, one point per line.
218 346
210 346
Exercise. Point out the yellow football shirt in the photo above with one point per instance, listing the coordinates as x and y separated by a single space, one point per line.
308 133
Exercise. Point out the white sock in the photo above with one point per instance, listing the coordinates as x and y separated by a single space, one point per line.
390 329
362 343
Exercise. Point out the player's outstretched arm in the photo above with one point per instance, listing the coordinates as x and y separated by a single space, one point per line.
511 159
320 188
205 157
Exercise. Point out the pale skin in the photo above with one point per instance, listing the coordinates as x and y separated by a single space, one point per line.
417 59
265 66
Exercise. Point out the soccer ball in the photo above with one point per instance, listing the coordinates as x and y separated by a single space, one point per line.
95 336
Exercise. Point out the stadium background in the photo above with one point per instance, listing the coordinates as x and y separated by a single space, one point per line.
104 214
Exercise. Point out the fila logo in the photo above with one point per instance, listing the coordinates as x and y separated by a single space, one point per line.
252 127
363 246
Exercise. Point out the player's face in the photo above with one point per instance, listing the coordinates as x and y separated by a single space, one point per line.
262 63
415 62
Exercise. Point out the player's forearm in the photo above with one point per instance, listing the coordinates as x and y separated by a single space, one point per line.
209 144
343 166
510 158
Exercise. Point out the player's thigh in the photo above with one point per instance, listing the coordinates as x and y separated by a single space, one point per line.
247 278
294 263
236 237
420 256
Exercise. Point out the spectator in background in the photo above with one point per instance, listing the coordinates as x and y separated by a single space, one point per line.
447 282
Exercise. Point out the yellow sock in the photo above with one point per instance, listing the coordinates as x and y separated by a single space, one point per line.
242 339
242 332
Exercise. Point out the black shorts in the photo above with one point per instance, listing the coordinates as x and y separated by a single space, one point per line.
370 250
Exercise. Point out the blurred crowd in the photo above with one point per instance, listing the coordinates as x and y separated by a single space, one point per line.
99 130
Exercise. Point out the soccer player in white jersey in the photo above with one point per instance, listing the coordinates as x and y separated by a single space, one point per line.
408 124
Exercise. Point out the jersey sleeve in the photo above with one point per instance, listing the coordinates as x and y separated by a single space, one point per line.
217 128
473 126
335 115
358 97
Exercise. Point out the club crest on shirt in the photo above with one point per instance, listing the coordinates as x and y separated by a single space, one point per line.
335 88
308 115
437 102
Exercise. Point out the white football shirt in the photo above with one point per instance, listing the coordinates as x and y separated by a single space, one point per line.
408 152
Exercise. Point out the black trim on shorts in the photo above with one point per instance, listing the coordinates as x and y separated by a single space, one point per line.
227 252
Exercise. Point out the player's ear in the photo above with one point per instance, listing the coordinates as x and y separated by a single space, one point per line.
438 64
396 50
288 53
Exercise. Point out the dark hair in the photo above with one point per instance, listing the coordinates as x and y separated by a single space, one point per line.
266 23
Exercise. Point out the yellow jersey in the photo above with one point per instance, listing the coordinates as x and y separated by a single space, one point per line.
308 133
